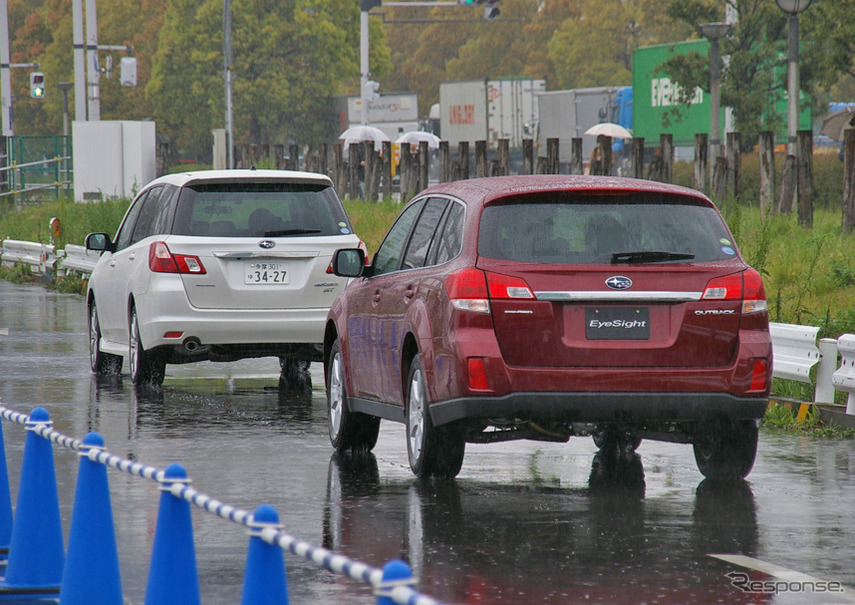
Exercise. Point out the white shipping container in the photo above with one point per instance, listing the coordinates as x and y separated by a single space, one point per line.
489 110
567 114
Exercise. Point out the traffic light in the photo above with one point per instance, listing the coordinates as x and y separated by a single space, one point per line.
37 85
491 9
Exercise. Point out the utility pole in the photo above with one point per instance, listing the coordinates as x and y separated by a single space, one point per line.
5 75
227 77
79 61
93 73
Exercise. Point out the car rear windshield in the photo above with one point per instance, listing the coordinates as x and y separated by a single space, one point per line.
259 210
598 230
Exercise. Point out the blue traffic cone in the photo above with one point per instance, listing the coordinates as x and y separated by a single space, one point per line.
395 573
172 577
264 580
5 503
36 555
91 574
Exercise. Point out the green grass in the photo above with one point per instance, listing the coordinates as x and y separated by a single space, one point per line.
809 274
780 418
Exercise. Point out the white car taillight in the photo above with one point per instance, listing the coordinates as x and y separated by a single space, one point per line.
161 260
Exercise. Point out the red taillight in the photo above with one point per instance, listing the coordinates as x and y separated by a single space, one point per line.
472 289
728 287
467 290
477 374
758 375
755 293
505 286
161 260
747 285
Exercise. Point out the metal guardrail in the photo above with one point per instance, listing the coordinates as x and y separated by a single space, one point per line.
844 378
795 351
46 260
40 257
76 259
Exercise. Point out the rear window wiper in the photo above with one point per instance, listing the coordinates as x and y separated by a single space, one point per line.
282 232
649 256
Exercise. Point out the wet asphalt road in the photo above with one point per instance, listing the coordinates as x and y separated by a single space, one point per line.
524 522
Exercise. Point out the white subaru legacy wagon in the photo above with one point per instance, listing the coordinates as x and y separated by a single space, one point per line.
218 265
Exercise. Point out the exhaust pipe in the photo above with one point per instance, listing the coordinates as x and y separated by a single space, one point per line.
192 344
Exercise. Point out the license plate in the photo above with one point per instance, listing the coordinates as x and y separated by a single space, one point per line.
265 273
617 323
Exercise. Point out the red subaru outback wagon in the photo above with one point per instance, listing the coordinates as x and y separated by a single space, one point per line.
543 307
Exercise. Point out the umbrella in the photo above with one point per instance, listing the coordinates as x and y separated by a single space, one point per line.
837 121
363 132
417 136
609 129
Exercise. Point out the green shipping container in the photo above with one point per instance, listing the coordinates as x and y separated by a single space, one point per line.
654 94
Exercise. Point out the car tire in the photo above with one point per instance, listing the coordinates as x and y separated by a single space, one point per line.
349 430
102 364
726 450
147 368
433 451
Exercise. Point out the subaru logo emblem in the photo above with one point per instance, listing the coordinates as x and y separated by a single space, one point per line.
619 282
267 244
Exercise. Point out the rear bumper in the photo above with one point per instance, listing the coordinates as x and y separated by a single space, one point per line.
630 408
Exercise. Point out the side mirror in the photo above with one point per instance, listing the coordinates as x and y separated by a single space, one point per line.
100 242
349 262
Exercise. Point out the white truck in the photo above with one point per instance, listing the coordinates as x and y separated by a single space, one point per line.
489 110
393 113
567 114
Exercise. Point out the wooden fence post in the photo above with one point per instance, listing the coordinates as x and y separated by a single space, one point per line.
789 176
766 148
848 224
805 186
734 163
701 165
480 158
638 157
294 156
424 165
666 142
552 155
444 167
463 160
404 173
577 160
338 169
369 194
504 157
353 170
387 169
528 156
